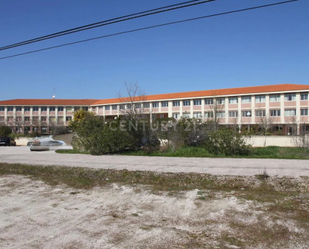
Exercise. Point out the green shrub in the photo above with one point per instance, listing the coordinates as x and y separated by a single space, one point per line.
5 130
226 142
98 137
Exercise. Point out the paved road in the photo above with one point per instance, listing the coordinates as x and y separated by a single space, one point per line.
218 166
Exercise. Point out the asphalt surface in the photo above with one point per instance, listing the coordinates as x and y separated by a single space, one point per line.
216 166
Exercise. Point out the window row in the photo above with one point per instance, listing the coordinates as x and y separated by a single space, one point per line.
245 114
18 120
219 101
43 108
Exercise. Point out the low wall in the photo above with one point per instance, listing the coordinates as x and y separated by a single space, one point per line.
282 141
22 141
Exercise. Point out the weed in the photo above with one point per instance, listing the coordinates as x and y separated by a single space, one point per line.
263 176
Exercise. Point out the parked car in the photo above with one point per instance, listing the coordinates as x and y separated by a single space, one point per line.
7 141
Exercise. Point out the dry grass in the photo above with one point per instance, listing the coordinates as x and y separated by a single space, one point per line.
178 210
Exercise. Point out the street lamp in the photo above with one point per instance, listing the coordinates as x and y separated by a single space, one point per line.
248 115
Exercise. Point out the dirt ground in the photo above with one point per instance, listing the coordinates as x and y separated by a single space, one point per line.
36 215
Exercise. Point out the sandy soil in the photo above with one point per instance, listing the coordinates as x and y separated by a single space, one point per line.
36 215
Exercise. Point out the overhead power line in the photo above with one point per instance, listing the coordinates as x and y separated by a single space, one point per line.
109 22
151 27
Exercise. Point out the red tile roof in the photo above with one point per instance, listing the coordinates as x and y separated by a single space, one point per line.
195 94
217 92
49 102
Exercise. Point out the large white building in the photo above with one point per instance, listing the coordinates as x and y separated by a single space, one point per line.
285 106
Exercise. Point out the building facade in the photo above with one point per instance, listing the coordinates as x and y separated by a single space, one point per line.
284 107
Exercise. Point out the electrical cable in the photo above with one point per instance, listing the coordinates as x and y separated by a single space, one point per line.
108 22
150 27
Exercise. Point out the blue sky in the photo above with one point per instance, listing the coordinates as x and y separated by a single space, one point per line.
259 47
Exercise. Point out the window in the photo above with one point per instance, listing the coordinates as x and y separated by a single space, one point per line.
18 109
209 114
122 107
233 100
107 107
146 105
186 115
129 106
85 108
43 108
27 119
197 115
68 119
246 99
260 113
275 113
43 119
164 104
1 108
220 114
304 112
176 103
27 109
52 109
290 97
209 101
260 99
114 107
155 104
176 115
197 102
44 130
138 105
220 101
18 119
304 96
35 109
233 114
60 108
10 108
290 112
274 98
246 114
186 102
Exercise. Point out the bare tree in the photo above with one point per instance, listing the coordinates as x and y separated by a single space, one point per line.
265 123
234 124
52 125
36 124
18 124
292 125
302 137
217 113
132 105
